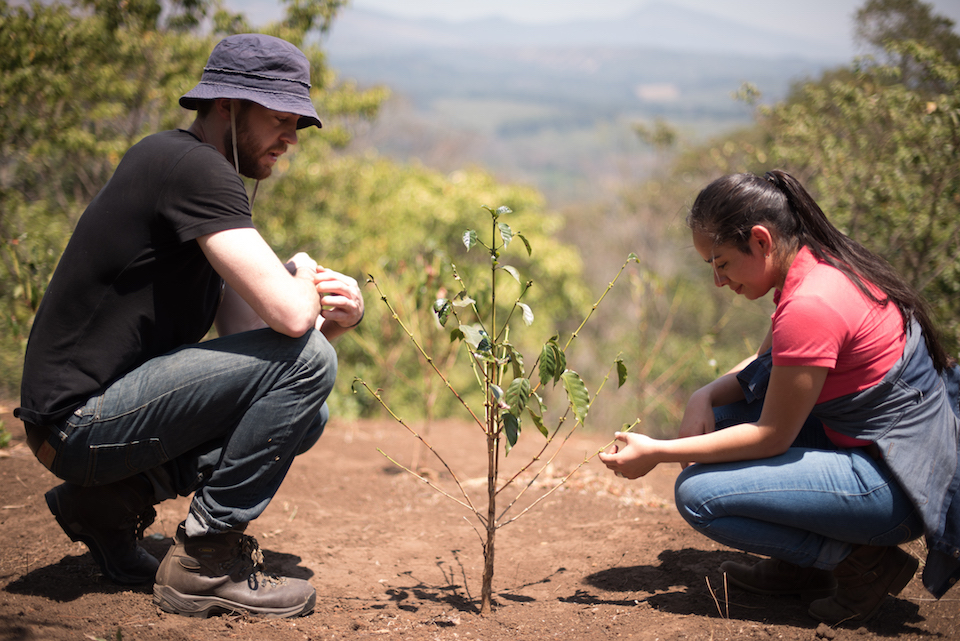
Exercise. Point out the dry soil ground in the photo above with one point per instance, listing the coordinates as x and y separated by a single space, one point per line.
602 558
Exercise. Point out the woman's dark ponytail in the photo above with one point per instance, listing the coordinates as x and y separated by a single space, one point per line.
729 207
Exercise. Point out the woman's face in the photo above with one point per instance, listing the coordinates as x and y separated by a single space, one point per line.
752 275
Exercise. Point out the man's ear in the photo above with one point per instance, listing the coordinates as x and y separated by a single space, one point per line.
221 108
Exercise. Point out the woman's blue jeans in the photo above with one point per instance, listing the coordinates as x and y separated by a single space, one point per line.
222 419
809 506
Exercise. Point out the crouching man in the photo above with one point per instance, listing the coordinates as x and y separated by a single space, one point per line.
122 401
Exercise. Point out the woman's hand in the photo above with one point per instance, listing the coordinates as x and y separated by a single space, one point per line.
633 456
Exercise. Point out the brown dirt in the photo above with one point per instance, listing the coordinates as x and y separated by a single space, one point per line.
602 558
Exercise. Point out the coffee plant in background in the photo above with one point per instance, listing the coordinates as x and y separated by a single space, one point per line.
513 395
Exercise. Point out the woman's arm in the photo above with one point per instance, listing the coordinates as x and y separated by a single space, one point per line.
698 415
791 395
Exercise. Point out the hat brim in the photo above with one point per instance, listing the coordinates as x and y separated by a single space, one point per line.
285 102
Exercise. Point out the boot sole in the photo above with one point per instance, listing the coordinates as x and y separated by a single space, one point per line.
172 601
79 536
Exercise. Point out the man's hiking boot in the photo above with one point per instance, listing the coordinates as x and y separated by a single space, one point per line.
864 579
222 573
780 578
109 520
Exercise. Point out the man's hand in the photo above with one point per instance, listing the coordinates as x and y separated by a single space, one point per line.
341 302
300 261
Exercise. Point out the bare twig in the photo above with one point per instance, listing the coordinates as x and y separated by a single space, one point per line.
546 445
710 589
456 479
431 484
630 259
429 359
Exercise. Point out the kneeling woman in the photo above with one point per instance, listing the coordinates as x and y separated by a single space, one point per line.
829 497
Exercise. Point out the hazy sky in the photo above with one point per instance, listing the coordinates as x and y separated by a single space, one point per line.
818 18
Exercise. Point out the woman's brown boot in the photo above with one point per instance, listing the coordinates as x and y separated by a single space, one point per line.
780 578
864 579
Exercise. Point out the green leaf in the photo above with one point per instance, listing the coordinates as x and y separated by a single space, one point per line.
441 307
516 359
473 334
484 345
526 243
538 421
577 394
621 373
517 394
527 314
497 392
469 238
505 233
511 427
552 362
548 363
463 301
512 271
633 257
503 210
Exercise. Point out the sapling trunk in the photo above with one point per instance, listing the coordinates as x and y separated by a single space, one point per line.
489 546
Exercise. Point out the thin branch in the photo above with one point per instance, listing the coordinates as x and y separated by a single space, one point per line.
419 347
536 457
547 444
421 439
631 258
431 484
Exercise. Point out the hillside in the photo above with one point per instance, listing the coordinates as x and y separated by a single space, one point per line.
554 105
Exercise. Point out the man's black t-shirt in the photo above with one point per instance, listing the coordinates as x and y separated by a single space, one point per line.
133 282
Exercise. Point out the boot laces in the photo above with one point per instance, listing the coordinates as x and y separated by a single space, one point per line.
250 548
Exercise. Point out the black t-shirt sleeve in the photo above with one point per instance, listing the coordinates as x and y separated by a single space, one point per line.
203 195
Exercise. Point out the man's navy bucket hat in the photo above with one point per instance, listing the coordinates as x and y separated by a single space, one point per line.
262 69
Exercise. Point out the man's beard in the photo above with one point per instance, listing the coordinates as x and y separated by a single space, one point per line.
247 158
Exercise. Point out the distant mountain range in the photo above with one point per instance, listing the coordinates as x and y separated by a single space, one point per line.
554 105
657 26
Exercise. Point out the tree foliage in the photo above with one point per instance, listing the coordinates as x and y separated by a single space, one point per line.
883 157
877 142
79 83
883 25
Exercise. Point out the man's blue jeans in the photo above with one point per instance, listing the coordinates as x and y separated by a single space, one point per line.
222 419
808 506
